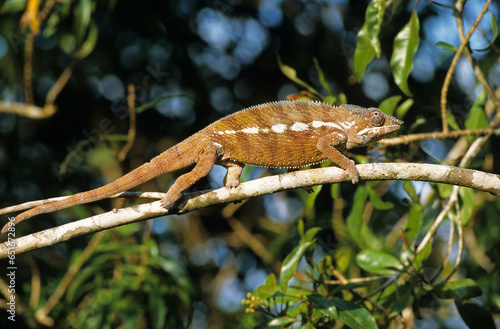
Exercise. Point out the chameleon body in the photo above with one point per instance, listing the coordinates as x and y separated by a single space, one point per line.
284 134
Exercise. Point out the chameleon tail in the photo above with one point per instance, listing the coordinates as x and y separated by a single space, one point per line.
176 157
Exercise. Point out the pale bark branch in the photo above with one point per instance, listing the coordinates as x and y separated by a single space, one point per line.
192 201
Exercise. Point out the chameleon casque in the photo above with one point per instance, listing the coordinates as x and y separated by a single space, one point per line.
282 134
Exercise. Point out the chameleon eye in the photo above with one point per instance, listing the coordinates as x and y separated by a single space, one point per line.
376 118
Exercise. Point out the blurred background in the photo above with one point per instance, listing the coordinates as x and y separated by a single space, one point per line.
202 60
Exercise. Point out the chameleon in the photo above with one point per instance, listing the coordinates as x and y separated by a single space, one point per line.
281 134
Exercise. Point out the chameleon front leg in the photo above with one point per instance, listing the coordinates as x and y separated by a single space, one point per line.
232 178
327 144
206 161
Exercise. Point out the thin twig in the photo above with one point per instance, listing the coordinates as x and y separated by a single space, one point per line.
451 70
42 314
477 70
407 139
132 126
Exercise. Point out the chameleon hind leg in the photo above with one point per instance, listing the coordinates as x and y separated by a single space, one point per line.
206 161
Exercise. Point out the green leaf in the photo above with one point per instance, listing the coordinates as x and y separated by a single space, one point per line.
67 43
82 13
12 6
354 315
354 221
155 102
300 228
477 118
378 262
405 46
389 105
89 44
322 80
458 290
330 100
494 26
310 234
324 305
422 256
412 193
268 289
444 190
475 315
403 108
281 322
451 121
290 264
334 191
414 222
291 74
377 201
446 46
494 29
467 196
351 314
368 43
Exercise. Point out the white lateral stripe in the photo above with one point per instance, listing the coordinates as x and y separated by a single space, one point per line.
299 126
252 130
279 128
319 124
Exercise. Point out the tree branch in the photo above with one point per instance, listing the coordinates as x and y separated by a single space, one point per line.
192 201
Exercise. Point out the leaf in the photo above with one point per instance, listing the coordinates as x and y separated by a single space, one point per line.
281 322
322 80
268 289
310 234
403 108
405 46
444 190
451 121
368 43
155 102
412 193
351 314
475 315
354 221
354 315
414 222
334 191
12 6
422 256
458 290
378 262
467 196
446 46
82 12
290 264
494 29
89 44
494 26
377 201
291 74
477 118
324 305
389 105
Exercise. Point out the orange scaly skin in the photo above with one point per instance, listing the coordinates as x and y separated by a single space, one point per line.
285 134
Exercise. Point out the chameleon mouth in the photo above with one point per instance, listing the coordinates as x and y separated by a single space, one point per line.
384 129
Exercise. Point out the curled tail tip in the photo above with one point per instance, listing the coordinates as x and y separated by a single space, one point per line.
19 218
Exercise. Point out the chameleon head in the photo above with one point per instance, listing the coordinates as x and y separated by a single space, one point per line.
371 124
377 123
